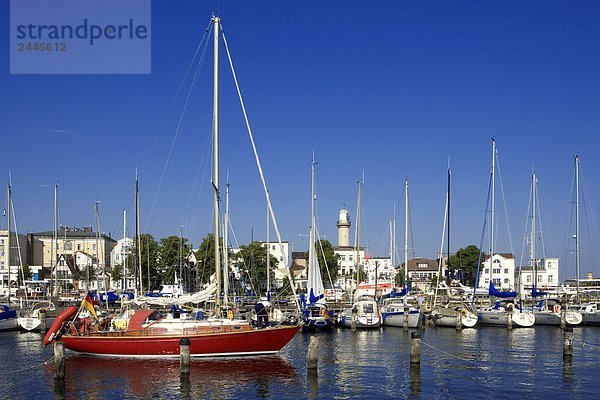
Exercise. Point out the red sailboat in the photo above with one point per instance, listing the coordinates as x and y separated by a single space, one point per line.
147 333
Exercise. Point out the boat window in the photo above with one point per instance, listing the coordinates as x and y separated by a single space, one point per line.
368 308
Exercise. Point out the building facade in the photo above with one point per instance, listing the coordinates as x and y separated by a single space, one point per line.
501 273
547 276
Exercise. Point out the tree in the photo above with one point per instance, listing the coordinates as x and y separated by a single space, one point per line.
24 274
254 258
205 256
117 273
330 262
467 260
171 248
149 261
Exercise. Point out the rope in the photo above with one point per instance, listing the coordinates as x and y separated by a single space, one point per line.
454 356
31 367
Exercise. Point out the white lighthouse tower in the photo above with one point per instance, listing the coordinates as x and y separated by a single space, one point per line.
343 225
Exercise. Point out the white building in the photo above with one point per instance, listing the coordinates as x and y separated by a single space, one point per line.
17 253
384 267
122 255
348 257
547 276
502 272
279 270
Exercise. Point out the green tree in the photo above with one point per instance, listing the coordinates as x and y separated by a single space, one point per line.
173 255
330 262
117 273
253 257
88 275
205 257
399 279
24 274
149 261
466 259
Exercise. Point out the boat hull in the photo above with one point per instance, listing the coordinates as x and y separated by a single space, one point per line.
500 318
466 321
252 342
572 318
361 322
317 324
9 324
397 319
591 318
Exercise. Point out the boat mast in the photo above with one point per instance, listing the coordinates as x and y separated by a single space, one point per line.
493 209
123 263
226 244
357 258
139 239
448 216
533 260
268 255
577 224
215 182
406 234
9 195
54 252
312 285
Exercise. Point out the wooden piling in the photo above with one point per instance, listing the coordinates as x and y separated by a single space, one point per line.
458 320
415 348
184 356
59 360
568 342
563 318
354 316
42 321
312 357
405 322
510 320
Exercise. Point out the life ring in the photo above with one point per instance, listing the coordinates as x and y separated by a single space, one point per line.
556 308
427 307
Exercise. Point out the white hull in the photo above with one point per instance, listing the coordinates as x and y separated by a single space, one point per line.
366 315
9 324
397 319
551 318
466 321
500 318
362 322
591 318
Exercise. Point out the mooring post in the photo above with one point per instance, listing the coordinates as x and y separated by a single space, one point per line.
42 321
405 322
458 321
510 319
353 323
568 343
184 353
59 360
312 358
563 318
415 348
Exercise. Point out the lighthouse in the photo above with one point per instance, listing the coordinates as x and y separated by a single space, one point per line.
343 225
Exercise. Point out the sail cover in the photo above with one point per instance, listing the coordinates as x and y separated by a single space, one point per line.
314 285
503 295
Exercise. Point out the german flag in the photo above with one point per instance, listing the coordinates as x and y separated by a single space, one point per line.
88 303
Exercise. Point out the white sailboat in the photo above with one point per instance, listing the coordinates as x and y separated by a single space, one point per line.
8 316
455 307
316 314
544 314
32 317
364 313
501 315
396 311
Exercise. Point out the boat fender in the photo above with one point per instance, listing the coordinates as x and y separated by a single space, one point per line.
463 312
54 331
510 307
556 308
230 314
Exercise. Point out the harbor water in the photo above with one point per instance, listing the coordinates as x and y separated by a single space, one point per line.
486 362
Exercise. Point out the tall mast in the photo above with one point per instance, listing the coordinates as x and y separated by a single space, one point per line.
533 205
216 25
493 208
577 224
123 263
54 253
138 238
9 195
448 211
357 258
406 234
97 212
226 244
268 255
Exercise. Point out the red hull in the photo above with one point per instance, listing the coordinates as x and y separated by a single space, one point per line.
253 342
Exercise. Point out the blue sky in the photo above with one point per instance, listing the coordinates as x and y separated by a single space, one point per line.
393 88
